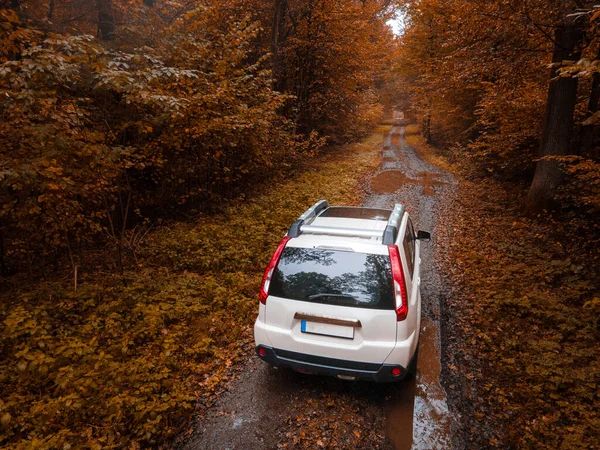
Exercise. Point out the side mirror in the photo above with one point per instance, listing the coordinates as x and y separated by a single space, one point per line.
423 236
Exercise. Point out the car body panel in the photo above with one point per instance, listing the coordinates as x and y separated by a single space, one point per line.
372 342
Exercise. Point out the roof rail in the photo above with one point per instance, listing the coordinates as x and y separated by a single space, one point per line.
390 234
309 215
303 225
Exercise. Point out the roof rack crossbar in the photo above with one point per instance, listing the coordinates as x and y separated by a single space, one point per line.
309 215
337 231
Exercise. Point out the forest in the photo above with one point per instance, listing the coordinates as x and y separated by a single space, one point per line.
479 91
170 110
138 137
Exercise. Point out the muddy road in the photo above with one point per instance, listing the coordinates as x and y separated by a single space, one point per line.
268 408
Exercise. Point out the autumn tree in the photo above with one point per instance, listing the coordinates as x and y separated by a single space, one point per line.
328 56
106 124
95 138
481 68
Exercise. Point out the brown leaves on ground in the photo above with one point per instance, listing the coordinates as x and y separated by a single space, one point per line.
523 331
334 419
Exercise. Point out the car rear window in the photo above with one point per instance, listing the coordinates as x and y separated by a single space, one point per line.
334 277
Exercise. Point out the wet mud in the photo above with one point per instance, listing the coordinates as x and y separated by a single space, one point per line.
269 408
418 416
429 181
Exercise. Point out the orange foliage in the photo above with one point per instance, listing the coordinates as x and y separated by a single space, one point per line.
173 113
479 76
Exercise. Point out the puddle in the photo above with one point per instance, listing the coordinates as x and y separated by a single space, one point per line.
429 180
390 181
418 418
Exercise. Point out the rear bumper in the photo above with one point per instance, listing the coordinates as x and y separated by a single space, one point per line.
318 365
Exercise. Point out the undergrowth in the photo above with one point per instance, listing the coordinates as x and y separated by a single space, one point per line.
120 362
524 321
528 311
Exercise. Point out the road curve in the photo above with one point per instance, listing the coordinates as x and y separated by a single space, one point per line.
268 408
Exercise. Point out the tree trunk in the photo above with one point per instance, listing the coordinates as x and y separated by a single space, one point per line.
588 131
277 37
16 7
426 129
50 10
558 126
2 262
106 20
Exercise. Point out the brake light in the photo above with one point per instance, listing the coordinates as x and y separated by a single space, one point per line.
400 293
264 288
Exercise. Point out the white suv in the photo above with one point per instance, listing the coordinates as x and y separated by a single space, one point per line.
341 295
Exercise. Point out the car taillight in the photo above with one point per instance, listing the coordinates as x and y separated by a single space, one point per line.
400 293
264 288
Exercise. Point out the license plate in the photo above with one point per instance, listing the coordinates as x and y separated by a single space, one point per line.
326 329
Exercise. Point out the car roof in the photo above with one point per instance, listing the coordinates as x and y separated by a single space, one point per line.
360 229
356 212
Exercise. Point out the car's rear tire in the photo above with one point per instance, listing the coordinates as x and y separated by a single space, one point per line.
411 371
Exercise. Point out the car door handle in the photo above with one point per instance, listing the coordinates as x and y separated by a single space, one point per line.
419 281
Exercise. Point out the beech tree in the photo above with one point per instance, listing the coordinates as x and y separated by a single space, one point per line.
557 132
328 56
184 107
96 138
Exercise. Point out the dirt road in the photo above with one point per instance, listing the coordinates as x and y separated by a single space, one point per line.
269 408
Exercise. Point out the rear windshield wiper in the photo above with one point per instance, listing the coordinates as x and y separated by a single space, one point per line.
325 294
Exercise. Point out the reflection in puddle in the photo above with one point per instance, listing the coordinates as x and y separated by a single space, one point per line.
419 418
390 181
428 180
